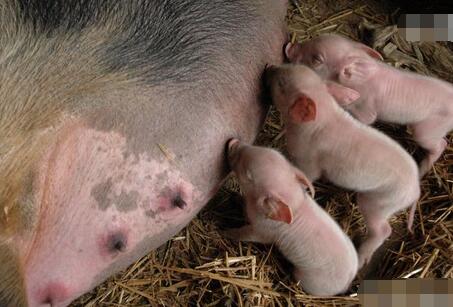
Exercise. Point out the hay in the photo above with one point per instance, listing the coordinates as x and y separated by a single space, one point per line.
200 267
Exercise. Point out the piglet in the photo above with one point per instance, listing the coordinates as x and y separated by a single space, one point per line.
324 140
386 93
280 211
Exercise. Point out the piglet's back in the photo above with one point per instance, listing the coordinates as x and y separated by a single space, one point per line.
365 152
324 258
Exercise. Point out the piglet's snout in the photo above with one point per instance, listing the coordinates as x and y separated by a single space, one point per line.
269 73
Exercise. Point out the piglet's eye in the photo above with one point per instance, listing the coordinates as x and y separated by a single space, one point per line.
317 60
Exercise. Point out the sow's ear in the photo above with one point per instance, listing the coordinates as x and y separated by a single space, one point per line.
292 52
342 94
371 52
276 210
303 109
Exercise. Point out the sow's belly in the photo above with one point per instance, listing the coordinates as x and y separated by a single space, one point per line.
121 181
127 172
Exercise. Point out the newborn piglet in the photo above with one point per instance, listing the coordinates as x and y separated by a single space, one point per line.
324 140
280 211
386 93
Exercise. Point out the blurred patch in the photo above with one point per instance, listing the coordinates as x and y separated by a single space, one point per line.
426 27
406 292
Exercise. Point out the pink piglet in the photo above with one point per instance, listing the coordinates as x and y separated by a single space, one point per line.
280 211
386 93
324 140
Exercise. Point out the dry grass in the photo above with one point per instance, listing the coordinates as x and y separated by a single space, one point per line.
199 267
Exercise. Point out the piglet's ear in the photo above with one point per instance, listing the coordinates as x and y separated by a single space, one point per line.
277 210
342 94
357 71
304 181
292 52
303 109
371 52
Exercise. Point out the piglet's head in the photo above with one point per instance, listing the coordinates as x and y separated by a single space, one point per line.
293 89
250 168
267 179
326 53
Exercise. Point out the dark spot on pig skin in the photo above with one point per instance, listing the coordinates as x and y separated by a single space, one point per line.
126 202
126 154
166 193
100 193
179 202
119 179
162 177
150 213
116 242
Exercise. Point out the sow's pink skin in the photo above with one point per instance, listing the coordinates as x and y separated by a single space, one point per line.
324 140
386 93
280 211
121 162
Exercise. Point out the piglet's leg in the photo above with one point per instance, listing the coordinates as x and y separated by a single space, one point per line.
247 233
377 225
435 148
429 135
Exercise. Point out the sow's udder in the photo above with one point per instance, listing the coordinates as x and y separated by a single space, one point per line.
121 206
